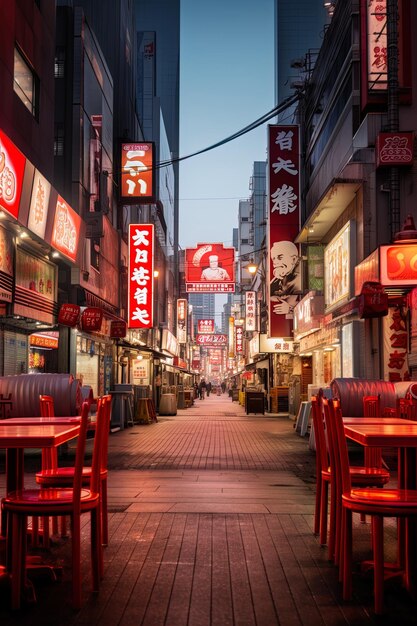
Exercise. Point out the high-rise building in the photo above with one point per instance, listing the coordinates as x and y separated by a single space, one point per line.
203 306
299 30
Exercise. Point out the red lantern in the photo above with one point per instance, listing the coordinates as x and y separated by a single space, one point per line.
69 315
91 319
373 301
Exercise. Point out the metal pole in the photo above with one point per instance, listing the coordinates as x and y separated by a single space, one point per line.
393 109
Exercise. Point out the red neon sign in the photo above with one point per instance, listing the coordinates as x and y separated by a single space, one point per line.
137 172
12 168
66 230
140 276
398 264
210 267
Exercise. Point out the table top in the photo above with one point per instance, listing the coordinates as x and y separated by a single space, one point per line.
402 435
373 420
36 436
37 420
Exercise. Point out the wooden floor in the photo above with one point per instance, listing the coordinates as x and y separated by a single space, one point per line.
211 516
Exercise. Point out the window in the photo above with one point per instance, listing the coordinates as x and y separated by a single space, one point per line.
59 140
26 83
59 64
245 219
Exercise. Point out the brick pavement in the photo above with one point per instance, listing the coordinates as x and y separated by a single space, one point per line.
211 524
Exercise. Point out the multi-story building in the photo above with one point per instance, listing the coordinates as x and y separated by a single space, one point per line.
299 31
358 193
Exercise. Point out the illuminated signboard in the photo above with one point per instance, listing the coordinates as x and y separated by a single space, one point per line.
39 201
12 168
205 326
337 264
394 149
140 275
284 276
398 264
66 230
182 320
239 338
377 45
210 267
137 179
211 340
250 310
231 337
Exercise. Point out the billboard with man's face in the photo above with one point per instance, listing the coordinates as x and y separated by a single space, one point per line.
210 268
284 277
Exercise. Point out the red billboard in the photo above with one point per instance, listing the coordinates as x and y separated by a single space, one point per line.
140 275
283 213
12 168
137 178
210 267
394 149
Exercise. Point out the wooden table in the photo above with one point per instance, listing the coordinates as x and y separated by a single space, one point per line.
42 421
353 421
404 437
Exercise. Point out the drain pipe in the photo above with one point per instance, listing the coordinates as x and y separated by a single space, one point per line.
393 110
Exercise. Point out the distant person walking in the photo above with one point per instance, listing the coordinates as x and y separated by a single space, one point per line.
208 388
223 386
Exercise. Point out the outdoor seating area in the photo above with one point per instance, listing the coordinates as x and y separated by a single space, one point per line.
372 415
30 514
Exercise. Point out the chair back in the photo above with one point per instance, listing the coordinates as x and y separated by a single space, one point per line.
372 406
319 434
46 406
341 449
106 431
79 457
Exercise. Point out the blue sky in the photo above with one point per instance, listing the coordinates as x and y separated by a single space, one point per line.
227 82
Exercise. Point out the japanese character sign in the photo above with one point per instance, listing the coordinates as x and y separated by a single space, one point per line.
38 210
250 310
137 172
377 44
12 167
69 315
140 277
396 339
66 229
284 208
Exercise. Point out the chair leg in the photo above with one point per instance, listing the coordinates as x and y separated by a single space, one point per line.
104 514
323 512
378 550
347 554
333 521
97 565
76 561
18 566
317 505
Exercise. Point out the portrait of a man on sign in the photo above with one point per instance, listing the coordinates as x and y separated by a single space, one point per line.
213 271
285 281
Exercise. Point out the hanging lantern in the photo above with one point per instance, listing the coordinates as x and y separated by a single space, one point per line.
373 301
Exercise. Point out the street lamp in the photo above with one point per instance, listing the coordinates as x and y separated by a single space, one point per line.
252 267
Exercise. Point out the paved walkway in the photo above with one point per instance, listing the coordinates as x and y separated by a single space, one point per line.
211 516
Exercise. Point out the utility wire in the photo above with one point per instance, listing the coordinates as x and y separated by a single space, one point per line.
265 118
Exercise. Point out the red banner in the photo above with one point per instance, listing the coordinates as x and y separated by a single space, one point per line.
91 319
205 326
69 315
283 209
140 275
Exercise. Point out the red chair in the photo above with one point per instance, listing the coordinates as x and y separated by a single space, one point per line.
72 502
372 408
360 476
63 476
378 503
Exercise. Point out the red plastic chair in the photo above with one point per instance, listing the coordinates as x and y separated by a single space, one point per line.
378 503
71 501
360 476
63 476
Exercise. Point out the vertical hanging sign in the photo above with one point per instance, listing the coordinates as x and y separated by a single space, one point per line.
140 290
283 211
231 337
182 320
250 310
